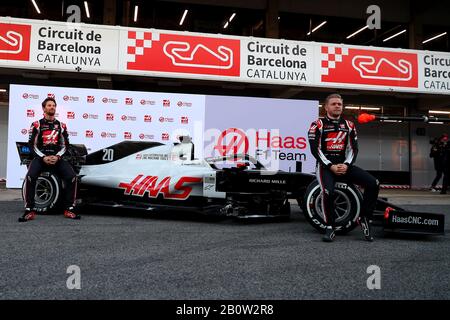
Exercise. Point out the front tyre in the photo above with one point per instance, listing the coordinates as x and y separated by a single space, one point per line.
48 192
347 204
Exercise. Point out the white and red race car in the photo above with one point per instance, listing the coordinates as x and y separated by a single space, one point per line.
154 176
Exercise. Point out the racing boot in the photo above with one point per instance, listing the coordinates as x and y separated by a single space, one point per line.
68 213
365 227
329 235
28 215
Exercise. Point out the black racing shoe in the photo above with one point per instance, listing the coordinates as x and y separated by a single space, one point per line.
365 227
28 215
329 235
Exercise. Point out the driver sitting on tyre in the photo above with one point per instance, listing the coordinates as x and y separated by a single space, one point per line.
48 141
333 143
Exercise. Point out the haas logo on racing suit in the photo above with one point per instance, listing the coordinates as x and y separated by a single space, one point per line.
50 137
149 185
336 141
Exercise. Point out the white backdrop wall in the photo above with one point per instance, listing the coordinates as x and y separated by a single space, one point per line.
100 118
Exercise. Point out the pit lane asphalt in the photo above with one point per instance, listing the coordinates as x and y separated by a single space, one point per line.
125 255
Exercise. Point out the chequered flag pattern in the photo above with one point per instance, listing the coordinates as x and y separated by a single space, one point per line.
138 41
330 56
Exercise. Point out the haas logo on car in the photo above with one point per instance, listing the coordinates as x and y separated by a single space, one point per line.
369 67
153 186
15 41
232 141
154 51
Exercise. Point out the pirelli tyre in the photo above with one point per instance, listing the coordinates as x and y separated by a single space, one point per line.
48 192
347 204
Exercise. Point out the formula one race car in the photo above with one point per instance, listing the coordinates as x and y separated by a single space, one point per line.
154 176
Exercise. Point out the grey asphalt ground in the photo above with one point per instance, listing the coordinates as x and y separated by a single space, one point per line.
131 255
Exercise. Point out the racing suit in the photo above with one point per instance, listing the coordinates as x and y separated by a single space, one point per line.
335 142
49 138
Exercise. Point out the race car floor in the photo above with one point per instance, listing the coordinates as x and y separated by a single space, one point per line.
131 255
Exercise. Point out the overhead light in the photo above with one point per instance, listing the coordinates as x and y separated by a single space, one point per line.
136 9
355 33
438 112
232 17
86 7
226 25
362 108
435 37
36 6
395 35
317 28
183 17
320 106
436 122
3 90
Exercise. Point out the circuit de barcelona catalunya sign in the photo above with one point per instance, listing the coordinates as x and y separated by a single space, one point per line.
59 46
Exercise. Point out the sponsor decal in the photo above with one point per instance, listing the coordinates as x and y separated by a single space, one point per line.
109 100
30 113
51 95
369 67
70 115
165 119
144 136
15 41
147 118
127 135
72 133
264 181
165 136
166 103
128 101
128 118
90 99
154 51
70 98
153 186
184 120
89 134
109 117
90 116
24 131
184 104
108 134
30 96
147 102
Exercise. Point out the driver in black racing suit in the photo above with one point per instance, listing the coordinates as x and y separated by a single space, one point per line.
333 143
48 142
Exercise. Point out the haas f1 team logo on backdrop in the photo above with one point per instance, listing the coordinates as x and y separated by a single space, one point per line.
232 141
152 51
369 67
15 41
